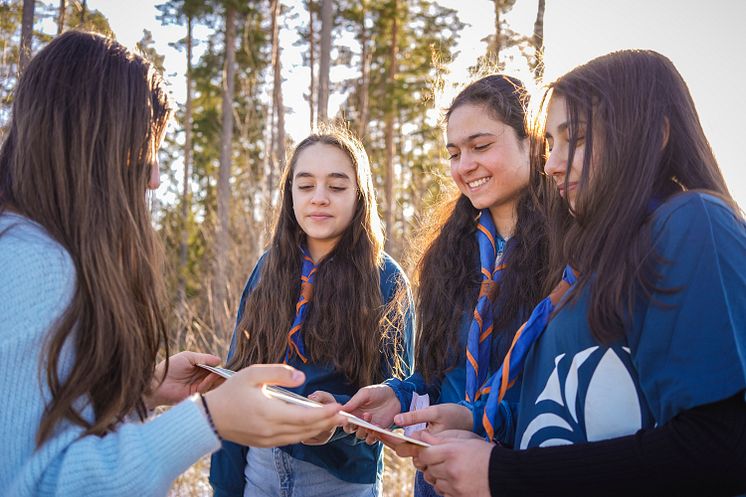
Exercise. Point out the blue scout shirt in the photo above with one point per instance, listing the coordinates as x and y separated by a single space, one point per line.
682 349
344 456
451 388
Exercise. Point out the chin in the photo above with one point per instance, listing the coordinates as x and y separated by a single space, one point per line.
479 203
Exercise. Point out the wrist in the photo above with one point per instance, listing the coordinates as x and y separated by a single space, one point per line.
204 405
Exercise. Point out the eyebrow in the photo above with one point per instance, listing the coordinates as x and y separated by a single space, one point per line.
470 138
330 175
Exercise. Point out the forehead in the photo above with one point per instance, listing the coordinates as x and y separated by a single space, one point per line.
470 119
322 160
556 113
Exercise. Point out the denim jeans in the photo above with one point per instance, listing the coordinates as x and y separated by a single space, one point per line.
273 473
423 488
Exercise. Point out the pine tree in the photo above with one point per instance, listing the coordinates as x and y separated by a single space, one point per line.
222 231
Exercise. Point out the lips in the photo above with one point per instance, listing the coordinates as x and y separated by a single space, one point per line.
570 187
319 216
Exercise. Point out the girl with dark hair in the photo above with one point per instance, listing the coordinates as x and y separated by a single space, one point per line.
481 272
328 300
636 387
81 306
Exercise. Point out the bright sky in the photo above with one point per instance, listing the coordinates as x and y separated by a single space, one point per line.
705 41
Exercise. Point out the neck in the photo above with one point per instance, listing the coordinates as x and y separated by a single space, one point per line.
505 218
318 249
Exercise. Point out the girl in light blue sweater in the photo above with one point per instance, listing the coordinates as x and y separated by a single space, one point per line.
81 320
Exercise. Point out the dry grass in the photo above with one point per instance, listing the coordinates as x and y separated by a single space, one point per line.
398 478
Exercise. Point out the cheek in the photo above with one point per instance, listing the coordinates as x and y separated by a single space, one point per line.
296 203
454 172
349 206
577 164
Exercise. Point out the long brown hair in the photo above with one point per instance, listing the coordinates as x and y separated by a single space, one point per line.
448 275
347 325
87 119
643 134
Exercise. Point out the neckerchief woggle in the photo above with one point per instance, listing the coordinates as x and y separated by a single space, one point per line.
524 338
307 280
479 339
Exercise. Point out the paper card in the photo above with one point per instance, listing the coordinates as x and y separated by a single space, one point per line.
293 398
418 402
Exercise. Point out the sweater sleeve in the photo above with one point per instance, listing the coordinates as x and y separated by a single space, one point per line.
136 459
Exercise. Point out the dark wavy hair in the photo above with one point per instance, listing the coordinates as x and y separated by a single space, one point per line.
448 274
88 117
347 325
643 134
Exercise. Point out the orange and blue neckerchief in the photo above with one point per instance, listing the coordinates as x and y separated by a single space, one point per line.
479 339
307 280
524 338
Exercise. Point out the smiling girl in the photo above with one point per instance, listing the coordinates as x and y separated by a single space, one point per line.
329 301
482 270
636 387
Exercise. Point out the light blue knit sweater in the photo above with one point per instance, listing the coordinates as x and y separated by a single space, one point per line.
37 279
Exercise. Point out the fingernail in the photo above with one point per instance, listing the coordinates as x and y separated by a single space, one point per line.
298 376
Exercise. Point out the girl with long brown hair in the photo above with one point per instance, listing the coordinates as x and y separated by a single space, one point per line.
81 307
326 299
636 386
482 270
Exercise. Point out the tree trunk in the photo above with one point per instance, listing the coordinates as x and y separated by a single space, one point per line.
186 191
61 17
311 63
390 113
325 59
277 90
224 174
365 56
537 40
277 144
493 53
83 12
27 29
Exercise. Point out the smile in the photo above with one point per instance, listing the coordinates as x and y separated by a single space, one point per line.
479 182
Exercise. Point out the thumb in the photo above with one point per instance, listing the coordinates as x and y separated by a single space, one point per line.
356 401
200 358
273 374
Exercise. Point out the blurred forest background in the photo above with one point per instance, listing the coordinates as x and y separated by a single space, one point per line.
223 155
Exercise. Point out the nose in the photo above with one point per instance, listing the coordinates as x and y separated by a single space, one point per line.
555 165
155 175
466 163
320 196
